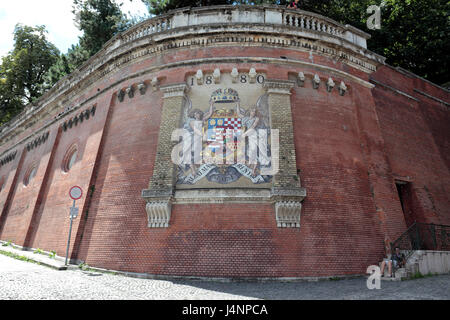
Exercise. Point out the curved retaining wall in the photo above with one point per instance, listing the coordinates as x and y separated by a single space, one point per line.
349 127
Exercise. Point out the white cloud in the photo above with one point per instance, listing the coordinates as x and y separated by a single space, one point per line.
56 15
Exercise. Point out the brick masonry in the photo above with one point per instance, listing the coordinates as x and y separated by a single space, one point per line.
346 150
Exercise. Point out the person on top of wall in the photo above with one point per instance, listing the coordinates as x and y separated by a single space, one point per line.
294 4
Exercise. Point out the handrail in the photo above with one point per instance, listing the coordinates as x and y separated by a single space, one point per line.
423 236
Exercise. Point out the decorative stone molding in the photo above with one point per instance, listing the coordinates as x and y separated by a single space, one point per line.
316 81
175 90
288 214
208 196
234 75
159 194
158 214
121 95
142 87
216 76
199 77
287 193
155 84
38 141
330 84
252 74
295 20
342 88
79 118
10 157
278 86
130 92
301 79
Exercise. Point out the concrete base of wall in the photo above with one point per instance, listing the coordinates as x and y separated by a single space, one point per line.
427 261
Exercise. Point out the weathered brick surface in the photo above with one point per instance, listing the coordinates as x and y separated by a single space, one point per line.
416 134
348 152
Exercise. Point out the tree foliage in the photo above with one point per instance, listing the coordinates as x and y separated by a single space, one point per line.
65 65
99 20
22 70
413 34
157 7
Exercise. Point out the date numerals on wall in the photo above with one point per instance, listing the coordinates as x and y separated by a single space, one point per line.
209 79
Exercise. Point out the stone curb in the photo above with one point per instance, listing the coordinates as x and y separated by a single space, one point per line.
41 258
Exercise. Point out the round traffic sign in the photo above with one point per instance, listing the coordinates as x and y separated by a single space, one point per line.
76 193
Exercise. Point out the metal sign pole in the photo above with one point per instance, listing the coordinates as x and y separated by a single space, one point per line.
75 194
70 233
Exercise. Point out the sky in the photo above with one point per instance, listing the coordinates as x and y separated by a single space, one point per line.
56 15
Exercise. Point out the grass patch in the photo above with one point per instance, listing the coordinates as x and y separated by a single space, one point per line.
419 275
6 244
335 279
18 257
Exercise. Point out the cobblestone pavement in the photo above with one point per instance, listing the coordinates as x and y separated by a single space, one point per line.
21 280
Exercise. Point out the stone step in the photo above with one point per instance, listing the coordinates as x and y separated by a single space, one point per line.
398 275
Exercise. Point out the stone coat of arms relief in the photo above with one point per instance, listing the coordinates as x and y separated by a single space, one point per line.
229 142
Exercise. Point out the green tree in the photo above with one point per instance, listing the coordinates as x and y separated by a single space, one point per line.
99 20
22 70
157 7
65 65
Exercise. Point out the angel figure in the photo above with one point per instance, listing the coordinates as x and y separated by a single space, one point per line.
193 123
253 119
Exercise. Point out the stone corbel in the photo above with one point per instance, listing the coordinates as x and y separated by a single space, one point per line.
142 87
342 88
121 95
330 84
288 206
288 214
130 92
252 75
158 213
316 81
155 84
216 76
199 77
301 79
158 207
234 75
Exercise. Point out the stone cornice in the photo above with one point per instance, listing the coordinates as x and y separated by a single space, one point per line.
175 90
278 86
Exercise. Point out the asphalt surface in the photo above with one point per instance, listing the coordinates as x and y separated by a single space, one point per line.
21 280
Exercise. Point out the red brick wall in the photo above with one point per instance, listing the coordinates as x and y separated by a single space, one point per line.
124 169
53 213
349 150
416 134
25 197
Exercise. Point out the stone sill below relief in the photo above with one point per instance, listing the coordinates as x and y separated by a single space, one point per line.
224 195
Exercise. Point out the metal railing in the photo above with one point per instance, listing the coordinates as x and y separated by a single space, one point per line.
423 236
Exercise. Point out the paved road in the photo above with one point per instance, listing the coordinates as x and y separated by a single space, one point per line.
21 280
